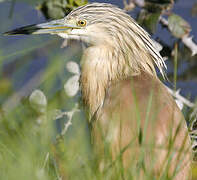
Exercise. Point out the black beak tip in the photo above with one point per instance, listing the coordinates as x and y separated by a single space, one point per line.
8 33
26 30
12 33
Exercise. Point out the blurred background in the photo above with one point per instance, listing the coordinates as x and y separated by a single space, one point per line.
34 124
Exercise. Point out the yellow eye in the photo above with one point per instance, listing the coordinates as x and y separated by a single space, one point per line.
81 23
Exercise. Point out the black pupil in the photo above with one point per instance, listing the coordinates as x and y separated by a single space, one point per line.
82 22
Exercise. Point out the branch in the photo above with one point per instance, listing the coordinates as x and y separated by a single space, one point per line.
186 40
69 114
190 44
132 3
180 98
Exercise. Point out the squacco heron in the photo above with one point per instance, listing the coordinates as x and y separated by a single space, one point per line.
130 109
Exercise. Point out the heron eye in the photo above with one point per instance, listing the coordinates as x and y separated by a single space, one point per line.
81 23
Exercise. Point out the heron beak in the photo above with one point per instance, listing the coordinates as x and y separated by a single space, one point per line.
53 27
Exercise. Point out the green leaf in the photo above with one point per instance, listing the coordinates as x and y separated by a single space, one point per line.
52 10
56 9
81 2
178 26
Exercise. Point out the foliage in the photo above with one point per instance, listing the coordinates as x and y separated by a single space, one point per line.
178 26
56 9
149 20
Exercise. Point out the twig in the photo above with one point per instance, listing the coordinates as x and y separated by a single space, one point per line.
132 3
190 44
69 114
163 21
139 3
177 95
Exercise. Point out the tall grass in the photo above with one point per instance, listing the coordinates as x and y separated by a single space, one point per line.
31 148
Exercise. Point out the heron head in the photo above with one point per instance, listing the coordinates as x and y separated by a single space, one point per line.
105 24
92 23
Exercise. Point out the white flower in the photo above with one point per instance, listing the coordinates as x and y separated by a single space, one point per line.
73 67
